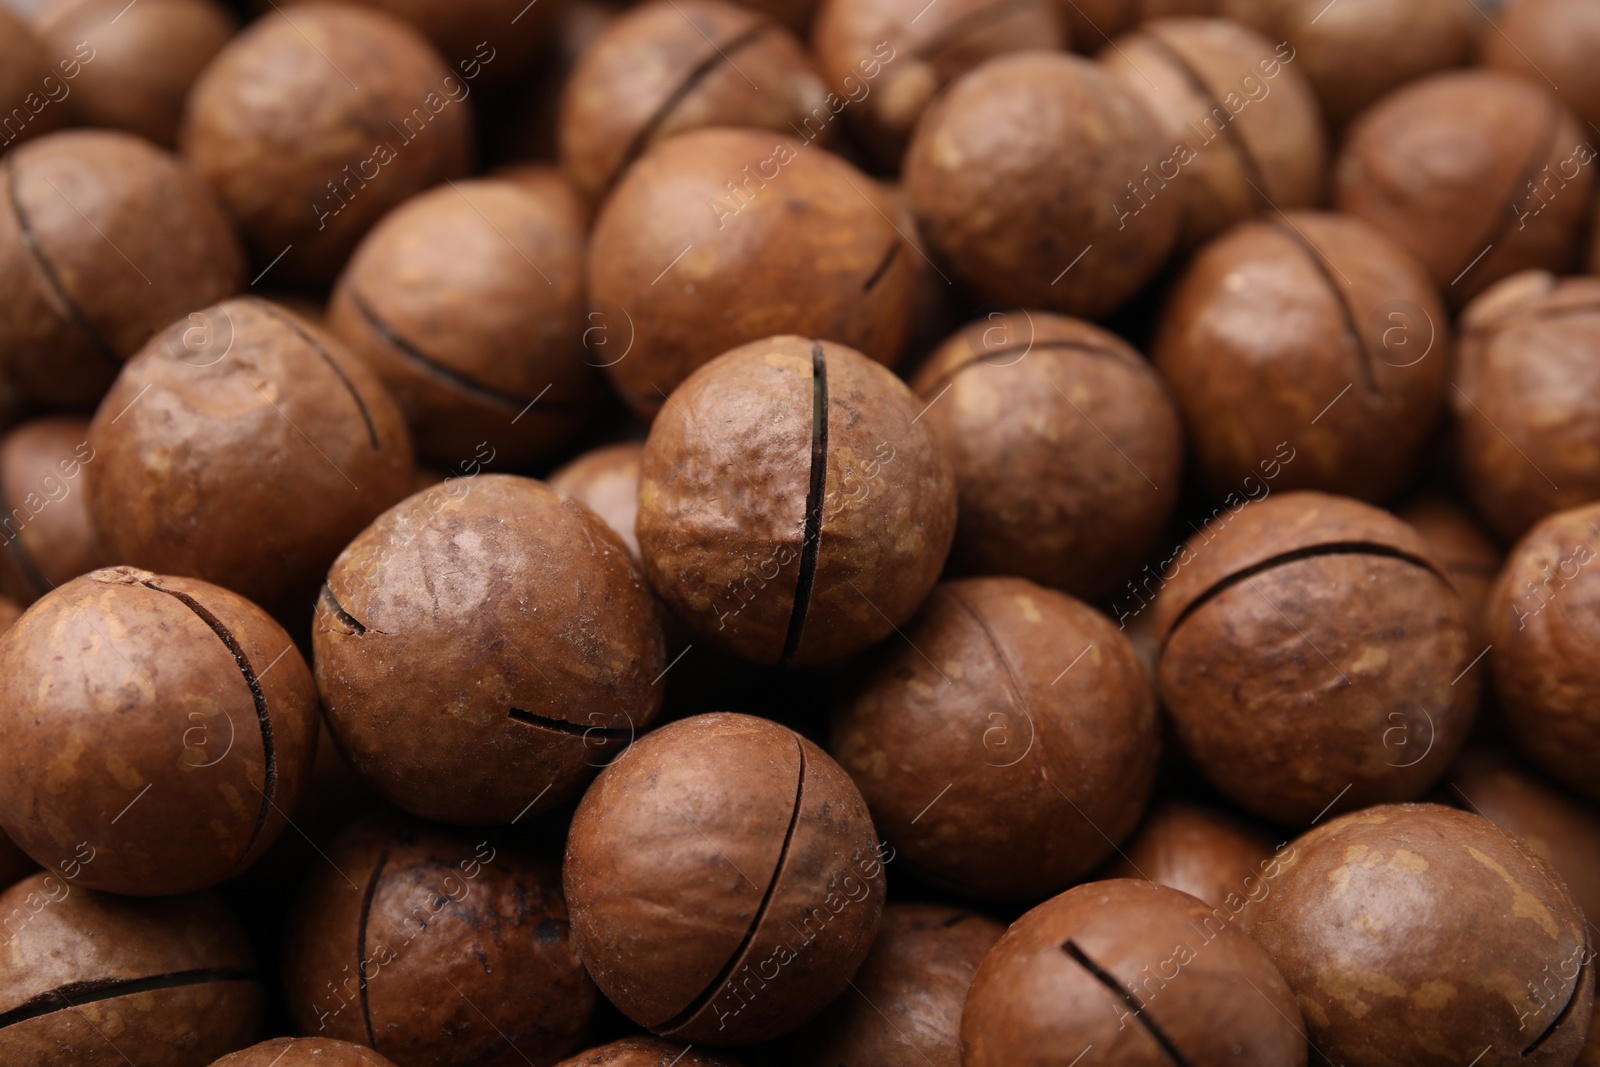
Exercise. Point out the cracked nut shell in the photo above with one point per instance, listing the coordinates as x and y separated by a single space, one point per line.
1197 851
437 950
244 446
73 313
1021 388
303 1052
44 507
1477 173
724 880
1527 398
791 509
1309 650
484 646
1020 220
1431 934
1143 975
96 980
167 722
362 114
646 1052
1543 622
1312 332
1031 712
688 268
468 302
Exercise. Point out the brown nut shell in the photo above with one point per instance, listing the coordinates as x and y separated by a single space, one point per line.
49 534
689 267
1478 174
244 446
73 312
724 880
791 509
303 1052
1542 619
1311 334
1086 974
1427 932
1016 218
646 1052
606 481
1314 657
1009 745
483 647
1195 850
1551 41
23 68
168 723
436 949
97 980
1026 388
1470 555
468 302
359 118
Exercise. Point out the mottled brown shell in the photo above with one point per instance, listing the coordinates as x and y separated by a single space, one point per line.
48 532
303 1052
1527 398
483 647
1134 974
1551 41
244 446
1197 851
436 948
688 268
74 308
1543 620
1067 449
1309 335
1016 218
606 481
360 116
646 1052
1429 933
96 980
724 880
163 723
1475 173
1009 744
468 302
1249 121
1313 656
791 509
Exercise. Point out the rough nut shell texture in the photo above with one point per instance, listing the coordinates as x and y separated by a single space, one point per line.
791 508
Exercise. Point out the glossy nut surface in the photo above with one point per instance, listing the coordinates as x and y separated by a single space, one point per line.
303 1052
1197 851
646 1052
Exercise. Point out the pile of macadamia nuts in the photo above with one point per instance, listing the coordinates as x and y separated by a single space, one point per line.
799 533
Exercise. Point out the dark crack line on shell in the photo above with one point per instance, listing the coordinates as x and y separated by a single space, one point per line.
883 266
545 722
413 354
710 992
1566 1009
22 557
75 994
357 627
1334 548
954 920
1536 162
991 358
811 544
269 786
74 313
1126 995
698 73
1018 700
1320 264
333 365
367 896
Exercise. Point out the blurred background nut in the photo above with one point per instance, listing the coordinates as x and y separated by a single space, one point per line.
720 237
606 481
1527 398
1552 44
73 312
437 950
244 446
1016 219
1198 851
1470 555
1311 336
44 507
671 66
1026 388
1092 22
363 113
166 724
646 1052
97 980
1477 174
468 302
145 58
1310 647
511 605
1009 745
31 85
1238 122
724 879
890 58
1430 933
303 1052
791 510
